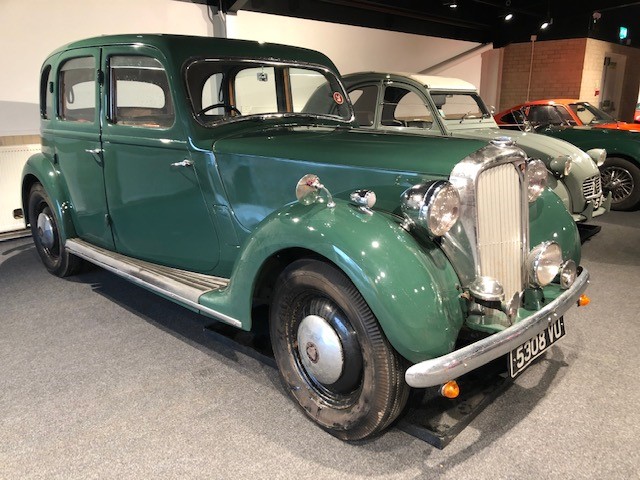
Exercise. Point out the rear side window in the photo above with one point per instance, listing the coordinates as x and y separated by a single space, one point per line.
46 93
78 90
139 92
364 101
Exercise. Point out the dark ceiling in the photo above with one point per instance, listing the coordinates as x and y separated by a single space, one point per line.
473 20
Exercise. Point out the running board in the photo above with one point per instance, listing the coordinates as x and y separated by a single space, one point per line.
179 285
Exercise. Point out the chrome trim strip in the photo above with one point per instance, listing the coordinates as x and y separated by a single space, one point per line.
440 370
182 286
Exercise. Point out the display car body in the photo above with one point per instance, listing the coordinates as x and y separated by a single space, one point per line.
431 105
620 171
191 166
636 114
568 111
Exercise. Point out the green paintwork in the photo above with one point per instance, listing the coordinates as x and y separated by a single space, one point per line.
617 143
568 188
235 208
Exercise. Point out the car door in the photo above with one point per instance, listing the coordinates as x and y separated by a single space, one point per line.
152 178
77 146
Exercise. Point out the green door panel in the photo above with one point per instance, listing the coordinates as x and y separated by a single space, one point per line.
153 180
77 145
410 288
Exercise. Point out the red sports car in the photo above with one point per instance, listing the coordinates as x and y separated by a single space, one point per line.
563 112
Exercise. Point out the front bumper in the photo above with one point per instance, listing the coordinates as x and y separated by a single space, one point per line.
440 370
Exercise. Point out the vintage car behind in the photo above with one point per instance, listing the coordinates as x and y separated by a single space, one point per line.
571 112
228 176
432 105
621 169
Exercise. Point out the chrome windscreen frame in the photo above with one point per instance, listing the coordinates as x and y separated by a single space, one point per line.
460 244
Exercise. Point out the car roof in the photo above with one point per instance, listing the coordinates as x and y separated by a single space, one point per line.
186 46
430 81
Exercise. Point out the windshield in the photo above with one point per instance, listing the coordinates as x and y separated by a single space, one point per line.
460 106
222 90
589 115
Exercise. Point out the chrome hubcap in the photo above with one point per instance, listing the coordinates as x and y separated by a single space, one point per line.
320 349
619 182
45 230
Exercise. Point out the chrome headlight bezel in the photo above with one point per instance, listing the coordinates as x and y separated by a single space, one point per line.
561 166
568 273
537 178
544 262
433 206
598 155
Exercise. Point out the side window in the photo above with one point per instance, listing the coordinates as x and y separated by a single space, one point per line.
77 86
212 100
404 108
139 92
46 93
255 91
364 102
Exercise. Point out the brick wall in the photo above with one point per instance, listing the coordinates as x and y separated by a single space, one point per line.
556 71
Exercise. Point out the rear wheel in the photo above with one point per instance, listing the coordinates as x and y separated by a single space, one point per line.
332 354
621 177
46 235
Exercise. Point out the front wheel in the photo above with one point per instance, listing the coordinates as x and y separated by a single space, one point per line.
332 354
46 235
621 177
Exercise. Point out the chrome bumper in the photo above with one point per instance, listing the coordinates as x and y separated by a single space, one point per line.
438 371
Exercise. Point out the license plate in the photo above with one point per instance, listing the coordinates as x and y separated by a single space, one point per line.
521 357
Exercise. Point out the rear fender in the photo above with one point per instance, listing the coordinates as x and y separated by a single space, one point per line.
40 169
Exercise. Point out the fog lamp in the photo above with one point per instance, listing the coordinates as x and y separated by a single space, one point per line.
543 263
450 389
487 289
568 273
434 206
536 179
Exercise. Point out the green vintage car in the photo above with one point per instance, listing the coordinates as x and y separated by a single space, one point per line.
432 105
229 175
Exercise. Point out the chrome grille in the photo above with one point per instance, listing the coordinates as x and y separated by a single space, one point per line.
592 187
500 226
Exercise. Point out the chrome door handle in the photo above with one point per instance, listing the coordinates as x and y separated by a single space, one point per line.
96 153
183 163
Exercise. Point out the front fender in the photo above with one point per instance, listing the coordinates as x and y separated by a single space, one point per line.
40 169
410 287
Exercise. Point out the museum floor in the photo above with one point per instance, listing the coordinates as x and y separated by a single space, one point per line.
102 379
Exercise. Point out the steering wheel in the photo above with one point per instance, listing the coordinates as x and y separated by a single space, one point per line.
227 108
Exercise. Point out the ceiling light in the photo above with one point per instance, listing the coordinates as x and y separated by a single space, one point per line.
508 17
453 5
546 24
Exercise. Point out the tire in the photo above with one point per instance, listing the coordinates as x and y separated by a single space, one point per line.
353 391
46 235
621 177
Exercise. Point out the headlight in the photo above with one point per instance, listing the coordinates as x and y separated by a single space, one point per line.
568 273
434 206
536 179
543 263
561 166
599 155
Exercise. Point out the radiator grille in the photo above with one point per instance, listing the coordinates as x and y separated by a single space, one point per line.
592 187
12 159
500 227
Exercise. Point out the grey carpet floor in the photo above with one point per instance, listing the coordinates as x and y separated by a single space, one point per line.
102 379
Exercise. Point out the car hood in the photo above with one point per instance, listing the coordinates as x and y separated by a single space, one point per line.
260 169
633 127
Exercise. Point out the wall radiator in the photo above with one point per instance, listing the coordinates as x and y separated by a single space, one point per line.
12 159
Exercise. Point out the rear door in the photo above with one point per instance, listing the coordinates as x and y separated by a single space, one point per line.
77 145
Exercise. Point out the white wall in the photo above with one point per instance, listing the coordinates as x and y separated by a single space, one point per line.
33 28
355 49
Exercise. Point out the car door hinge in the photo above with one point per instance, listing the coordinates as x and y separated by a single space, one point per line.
107 219
100 74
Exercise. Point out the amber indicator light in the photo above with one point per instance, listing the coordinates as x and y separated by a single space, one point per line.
583 301
450 389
